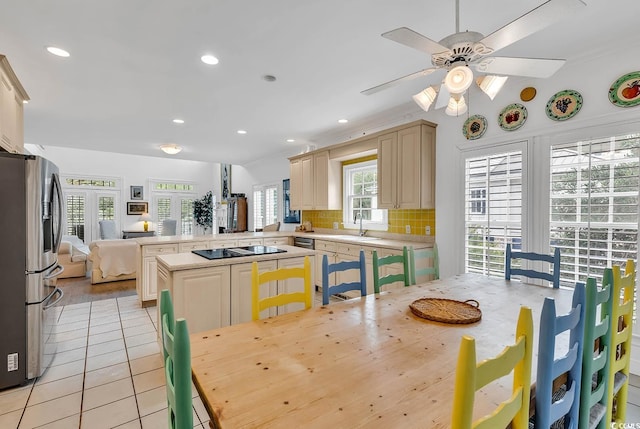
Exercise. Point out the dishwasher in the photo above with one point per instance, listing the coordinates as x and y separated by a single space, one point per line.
305 242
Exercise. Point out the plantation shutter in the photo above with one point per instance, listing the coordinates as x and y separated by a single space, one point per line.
493 210
594 205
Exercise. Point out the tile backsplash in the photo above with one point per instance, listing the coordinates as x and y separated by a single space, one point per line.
398 220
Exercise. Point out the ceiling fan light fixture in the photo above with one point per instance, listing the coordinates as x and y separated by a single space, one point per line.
459 79
456 107
171 148
425 98
491 84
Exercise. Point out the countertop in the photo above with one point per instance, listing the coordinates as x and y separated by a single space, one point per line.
397 242
188 261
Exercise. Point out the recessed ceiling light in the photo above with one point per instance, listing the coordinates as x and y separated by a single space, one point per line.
209 59
290 140
57 51
178 121
269 78
343 121
25 101
241 132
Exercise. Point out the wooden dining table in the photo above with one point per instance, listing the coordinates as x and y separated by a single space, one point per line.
366 362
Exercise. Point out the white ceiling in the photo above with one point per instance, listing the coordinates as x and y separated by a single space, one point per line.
135 65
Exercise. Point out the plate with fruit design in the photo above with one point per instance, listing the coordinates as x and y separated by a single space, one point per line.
564 105
625 92
474 127
512 117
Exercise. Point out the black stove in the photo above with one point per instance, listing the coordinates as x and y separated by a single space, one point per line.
237 252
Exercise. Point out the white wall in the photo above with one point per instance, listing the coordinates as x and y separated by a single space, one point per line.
132 170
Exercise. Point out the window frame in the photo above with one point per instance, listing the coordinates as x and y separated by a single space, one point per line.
263 188
348 221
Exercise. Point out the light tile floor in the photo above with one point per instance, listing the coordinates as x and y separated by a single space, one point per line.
108 373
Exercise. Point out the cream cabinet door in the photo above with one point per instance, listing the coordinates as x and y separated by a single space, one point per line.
192 245
387 170
295 183
324 248
241 291
203 297
220 244
308 197
408 169
149 267
250 242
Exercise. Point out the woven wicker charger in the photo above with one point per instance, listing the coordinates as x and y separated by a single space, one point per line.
447 310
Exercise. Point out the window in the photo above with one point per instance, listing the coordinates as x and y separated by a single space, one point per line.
89 200
493 210
173 200
265 205
361 197
594 205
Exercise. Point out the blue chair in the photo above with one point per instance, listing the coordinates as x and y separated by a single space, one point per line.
379 262
176 350
328 269
548 409
421 255
530 256
595 355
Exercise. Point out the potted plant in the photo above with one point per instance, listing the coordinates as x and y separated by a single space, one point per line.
203 212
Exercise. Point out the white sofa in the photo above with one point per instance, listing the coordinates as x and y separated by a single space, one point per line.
73 257
113 260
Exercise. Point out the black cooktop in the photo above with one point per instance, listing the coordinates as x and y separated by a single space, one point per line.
237 252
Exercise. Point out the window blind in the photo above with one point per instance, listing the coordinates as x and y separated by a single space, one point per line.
493 210
594 205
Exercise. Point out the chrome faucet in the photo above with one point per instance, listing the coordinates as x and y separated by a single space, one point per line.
358 215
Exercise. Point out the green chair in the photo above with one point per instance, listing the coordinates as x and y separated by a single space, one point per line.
379 262
620 350
595 354
177 365
433 263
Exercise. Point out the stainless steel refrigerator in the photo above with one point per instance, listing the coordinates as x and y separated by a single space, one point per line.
31 225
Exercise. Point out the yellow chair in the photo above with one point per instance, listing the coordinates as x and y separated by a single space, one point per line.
281 274
620 351
472 376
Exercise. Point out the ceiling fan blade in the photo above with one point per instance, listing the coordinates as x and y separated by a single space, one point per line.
410 38
443 97
395 82
529 67
531 22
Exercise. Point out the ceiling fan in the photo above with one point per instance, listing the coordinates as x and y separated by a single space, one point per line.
457 52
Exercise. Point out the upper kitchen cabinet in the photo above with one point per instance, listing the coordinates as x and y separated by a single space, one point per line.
406 167
315 182
12 97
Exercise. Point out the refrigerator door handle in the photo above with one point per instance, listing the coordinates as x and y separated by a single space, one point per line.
57 193
57 290
59 269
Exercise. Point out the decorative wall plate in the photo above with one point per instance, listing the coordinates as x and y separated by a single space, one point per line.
528 94
564 105
474 127
512 117
625 92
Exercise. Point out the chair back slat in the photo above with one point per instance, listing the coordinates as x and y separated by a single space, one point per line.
284 298
471 376
549 367
342 266
621 324
595 353
379 262
177 365
428 257
554 260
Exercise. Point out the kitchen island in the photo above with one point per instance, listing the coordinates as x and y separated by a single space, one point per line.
215 293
